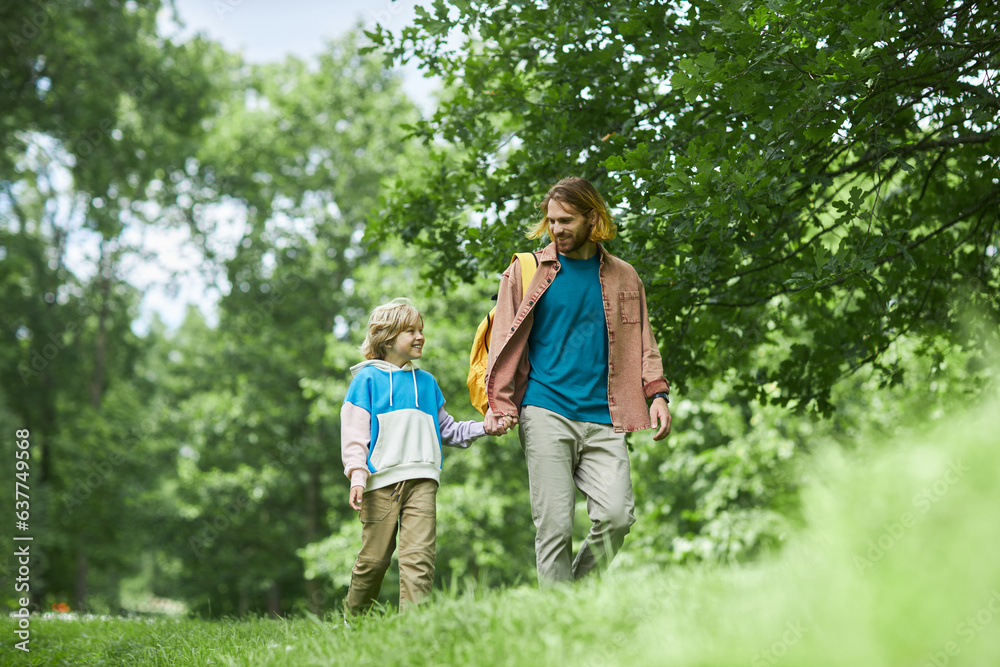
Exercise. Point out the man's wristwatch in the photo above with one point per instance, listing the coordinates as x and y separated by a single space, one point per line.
660 394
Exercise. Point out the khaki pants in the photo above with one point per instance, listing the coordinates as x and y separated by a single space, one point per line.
410 507
563 455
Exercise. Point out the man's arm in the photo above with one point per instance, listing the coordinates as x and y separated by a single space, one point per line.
654 385
653 381
500 380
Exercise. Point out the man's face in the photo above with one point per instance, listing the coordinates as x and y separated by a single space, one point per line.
569 229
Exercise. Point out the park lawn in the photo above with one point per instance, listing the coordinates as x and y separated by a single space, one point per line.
58 640
898 566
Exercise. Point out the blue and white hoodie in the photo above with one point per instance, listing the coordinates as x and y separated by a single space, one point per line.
393 423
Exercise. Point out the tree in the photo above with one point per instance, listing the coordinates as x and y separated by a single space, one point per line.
298 153
816 173
99 111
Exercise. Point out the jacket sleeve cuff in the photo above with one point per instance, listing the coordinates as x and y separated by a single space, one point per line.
502 406
655 387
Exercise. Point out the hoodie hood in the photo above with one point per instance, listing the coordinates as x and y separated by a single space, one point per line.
391 369
381 364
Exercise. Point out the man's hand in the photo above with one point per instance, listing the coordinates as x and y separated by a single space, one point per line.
659 416
494 425
356 494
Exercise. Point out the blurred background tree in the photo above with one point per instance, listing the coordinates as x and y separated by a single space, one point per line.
98 112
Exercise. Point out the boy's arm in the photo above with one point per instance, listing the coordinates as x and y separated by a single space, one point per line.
355 437
458 434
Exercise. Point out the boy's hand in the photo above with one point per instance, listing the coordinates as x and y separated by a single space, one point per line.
492 424
356 494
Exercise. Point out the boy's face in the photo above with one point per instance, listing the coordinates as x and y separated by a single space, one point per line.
408 346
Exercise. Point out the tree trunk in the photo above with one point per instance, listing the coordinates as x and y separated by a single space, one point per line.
243 606
312 526
274 599
114 592
96 393
100 346
80 592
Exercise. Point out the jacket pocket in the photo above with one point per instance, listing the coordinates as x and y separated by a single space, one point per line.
629 303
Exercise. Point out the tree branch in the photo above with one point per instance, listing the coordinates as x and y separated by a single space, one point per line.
847 276
975 138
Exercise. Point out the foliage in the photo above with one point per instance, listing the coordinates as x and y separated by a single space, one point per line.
818 173
199 444
726 485
98 108
872 580
124 104
256 466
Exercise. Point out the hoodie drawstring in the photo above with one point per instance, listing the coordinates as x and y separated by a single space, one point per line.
416 395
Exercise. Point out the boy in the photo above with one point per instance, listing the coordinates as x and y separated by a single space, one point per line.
393 422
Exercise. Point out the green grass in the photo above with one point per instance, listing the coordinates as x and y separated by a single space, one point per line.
899 566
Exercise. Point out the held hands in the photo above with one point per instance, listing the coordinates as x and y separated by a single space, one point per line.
356 494
659 416
494 425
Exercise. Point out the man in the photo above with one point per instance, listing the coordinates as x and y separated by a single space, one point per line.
573 362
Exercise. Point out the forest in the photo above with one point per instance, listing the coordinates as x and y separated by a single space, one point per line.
810 191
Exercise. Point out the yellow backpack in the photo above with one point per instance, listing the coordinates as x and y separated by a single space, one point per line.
480 354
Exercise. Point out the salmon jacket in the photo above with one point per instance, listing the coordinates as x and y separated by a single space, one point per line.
392 425
635 369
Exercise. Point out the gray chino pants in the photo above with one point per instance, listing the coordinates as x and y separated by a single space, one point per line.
563 455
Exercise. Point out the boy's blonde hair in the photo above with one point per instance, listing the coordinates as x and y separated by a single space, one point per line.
386 322
579 194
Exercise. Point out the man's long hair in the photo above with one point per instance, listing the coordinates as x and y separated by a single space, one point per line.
581 196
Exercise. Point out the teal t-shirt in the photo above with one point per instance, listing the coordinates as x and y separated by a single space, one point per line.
568 345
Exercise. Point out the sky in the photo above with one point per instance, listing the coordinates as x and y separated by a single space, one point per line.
263 31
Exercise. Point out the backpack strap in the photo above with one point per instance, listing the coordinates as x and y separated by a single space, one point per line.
479 355
527 269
